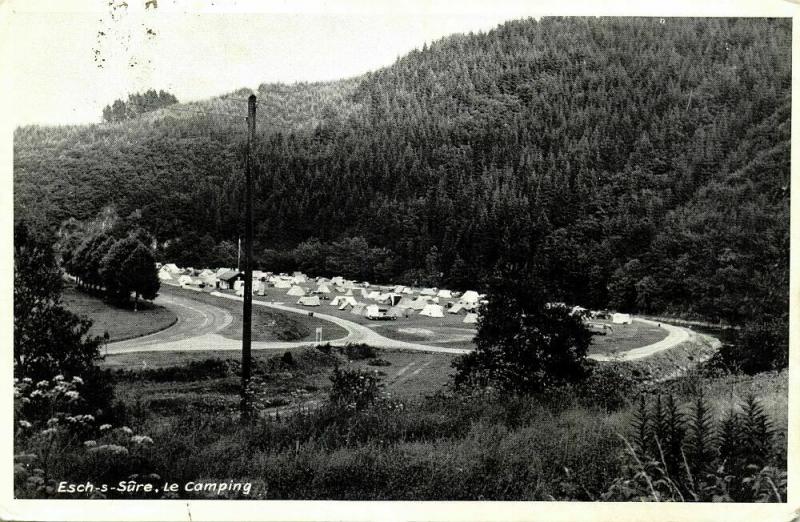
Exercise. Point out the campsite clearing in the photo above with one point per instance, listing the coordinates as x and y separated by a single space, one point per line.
268 324
624 337
120 323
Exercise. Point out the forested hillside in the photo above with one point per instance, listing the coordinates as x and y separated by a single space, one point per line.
636 163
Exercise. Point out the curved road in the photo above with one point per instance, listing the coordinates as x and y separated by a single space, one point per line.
199 323
198 326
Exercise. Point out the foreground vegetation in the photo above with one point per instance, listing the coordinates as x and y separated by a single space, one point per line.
359 442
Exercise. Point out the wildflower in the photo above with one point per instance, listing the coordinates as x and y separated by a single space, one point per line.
16 381
58 377
27 380
42 384
52 421
112 449
90 443
24 424
105 427
50 431
126 430
77 380
36 393
141 439
73 395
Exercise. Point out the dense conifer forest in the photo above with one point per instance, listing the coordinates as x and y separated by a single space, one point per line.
634 163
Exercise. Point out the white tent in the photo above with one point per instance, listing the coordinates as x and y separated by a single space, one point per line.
298 277
238 284
296 291
322 289
309 301
339 299
621 319
338 281
432 310
470 318
373 312
444 294
398 311
358 309
374 295
172 268
470 297
418 304
283 283
407 290
349 299
344 304
428 291
205 273
456 308
164 274
184 280
398 289
349 291
405 302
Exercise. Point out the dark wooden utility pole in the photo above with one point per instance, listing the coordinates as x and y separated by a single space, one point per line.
247 312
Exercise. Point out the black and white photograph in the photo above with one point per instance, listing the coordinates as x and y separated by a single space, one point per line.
535 260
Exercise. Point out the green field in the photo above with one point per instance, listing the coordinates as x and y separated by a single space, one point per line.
625 337
268 324
120 323
408 375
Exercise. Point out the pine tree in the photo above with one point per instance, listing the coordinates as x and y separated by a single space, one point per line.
641 429
757 432
730 440
675 436
700 436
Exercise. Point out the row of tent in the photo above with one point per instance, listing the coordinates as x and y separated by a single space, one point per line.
225 278
373 311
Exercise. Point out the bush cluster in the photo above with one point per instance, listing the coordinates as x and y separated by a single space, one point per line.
683 453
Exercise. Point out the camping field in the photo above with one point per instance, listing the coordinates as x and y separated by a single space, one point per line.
120 323
268 325
625 337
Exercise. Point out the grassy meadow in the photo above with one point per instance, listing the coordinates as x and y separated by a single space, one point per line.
419 440
119 322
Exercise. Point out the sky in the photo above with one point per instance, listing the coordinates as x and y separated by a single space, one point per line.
67 65
69 58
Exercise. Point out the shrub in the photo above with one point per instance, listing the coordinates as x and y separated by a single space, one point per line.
353 390
356 352
524 345
608 386
672 455
56 440
760 346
